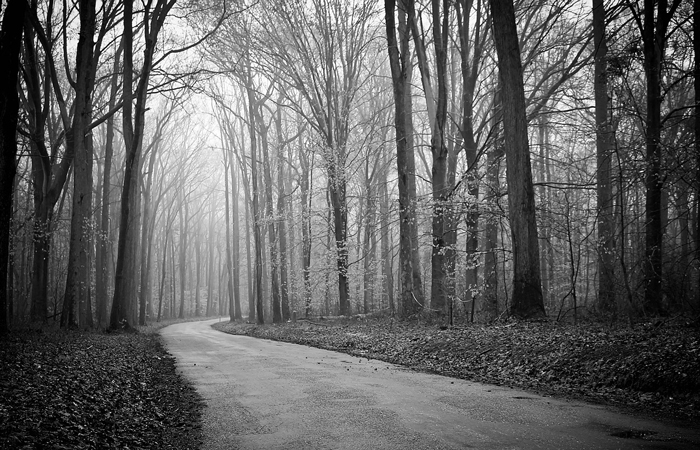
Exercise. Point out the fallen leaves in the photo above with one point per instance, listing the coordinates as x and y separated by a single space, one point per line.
89 390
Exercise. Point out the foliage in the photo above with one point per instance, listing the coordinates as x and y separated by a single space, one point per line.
91 390
651 369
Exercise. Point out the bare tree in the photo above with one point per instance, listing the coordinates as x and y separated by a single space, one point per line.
606 220
412 298
10 44
320 53
526 298
653 26
133 122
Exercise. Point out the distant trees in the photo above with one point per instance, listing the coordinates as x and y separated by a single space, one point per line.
348 182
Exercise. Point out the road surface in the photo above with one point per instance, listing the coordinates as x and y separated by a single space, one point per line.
263 394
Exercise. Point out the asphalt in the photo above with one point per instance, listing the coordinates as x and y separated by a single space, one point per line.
263 394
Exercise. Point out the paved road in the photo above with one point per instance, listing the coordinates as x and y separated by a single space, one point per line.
268 395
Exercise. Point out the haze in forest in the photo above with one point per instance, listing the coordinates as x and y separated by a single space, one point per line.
268 160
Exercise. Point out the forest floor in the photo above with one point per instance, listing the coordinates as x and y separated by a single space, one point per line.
651 370
69 389
76 390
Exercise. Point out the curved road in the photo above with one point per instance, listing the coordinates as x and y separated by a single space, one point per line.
263 394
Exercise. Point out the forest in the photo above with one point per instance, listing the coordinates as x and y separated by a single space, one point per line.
461 159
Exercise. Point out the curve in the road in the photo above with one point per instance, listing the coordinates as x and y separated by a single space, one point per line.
269 395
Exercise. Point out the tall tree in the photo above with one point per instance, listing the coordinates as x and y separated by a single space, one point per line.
471 48
229 262
319 51
133 123
443 251
696 85
606 220
10 44
526 297
103 241
412 299
653 26
78 280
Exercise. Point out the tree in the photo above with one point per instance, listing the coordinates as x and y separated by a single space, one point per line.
50 168
320 53
653 27
229 263
696 85
133 122
471 50
412 299
10 44
606 219
526 297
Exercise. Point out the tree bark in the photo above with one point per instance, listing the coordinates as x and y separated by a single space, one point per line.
526 300
696 85
271 228
103 243
184 236
145 244
210 264
229 263
123 304
492 197
470 45
260 315
606 221
235 247
10 44
654 32
78 279
412 298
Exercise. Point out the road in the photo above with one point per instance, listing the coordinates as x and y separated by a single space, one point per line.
263 394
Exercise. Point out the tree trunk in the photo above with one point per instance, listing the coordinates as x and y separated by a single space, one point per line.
249 253
304 185
386 252
370 245
412 299
184 225
10 44
229 264
210 264
282 220
163 269
122 301
526 300
123 310
271 228
145 244
696 85
255 194
78 279
606 221
653 39
197 273
470 71
235 248
492 198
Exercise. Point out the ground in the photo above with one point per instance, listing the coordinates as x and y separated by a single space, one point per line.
99 390
75 390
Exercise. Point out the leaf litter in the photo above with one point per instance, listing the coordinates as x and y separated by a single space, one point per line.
75 390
